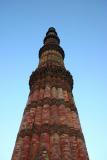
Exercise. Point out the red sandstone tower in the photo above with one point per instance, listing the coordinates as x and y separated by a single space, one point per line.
50 128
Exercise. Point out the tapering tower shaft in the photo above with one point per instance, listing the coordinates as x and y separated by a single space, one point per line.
50 128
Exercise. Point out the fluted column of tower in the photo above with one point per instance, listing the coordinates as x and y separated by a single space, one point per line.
50 127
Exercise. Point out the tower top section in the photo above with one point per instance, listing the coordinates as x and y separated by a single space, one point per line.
51 42
51 37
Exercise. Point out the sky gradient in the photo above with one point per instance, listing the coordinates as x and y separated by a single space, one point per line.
82 28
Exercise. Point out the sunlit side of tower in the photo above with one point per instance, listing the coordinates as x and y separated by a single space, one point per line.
50 127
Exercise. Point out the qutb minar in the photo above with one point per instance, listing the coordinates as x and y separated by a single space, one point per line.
50 127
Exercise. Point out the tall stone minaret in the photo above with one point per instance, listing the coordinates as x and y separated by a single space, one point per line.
50 127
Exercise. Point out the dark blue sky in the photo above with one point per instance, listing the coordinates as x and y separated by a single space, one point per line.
82 28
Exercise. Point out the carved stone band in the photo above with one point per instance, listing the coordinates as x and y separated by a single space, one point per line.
51 129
